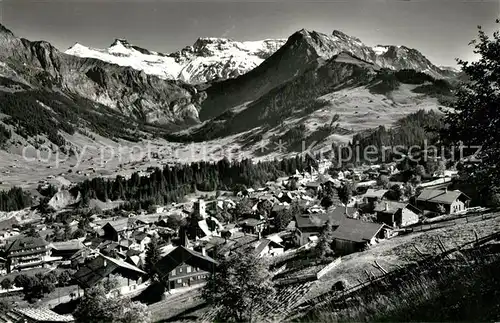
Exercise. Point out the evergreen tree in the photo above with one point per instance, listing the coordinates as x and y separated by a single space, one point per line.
325 242
153 255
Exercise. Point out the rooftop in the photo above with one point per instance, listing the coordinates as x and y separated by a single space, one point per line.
44 315
318 220
97 269
357 230
23 243
8 223
181 255
67 245
372 193
441 196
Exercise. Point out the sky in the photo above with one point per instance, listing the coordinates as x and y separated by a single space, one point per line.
440 29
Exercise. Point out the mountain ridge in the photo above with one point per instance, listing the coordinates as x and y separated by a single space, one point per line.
208 59
216 59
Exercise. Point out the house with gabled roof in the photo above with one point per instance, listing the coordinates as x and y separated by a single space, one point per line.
374 195
117 228
397 214
452 201
353 235
66 249
253 225
307 225
313 187
101 267
184 267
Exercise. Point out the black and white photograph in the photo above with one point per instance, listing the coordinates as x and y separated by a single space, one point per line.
253 161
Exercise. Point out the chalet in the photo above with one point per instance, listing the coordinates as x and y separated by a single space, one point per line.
264 205
66 249
374 195
9 223
212 245
238 241
183 267
437 200
206 228
26 252
135 260
109 247
6 235
146 220
249 191
373 174
80 257
397 214
8 229
101 267
284 197
252 225
308 225
353 235
120 228
316 209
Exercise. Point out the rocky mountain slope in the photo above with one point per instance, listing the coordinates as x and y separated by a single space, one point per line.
132 93
209 59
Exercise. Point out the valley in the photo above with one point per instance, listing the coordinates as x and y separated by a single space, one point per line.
219 181
87 105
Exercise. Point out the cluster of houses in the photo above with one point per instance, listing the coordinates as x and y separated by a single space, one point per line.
118 249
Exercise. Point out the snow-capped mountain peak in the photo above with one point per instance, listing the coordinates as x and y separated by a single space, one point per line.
208 59
119 48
